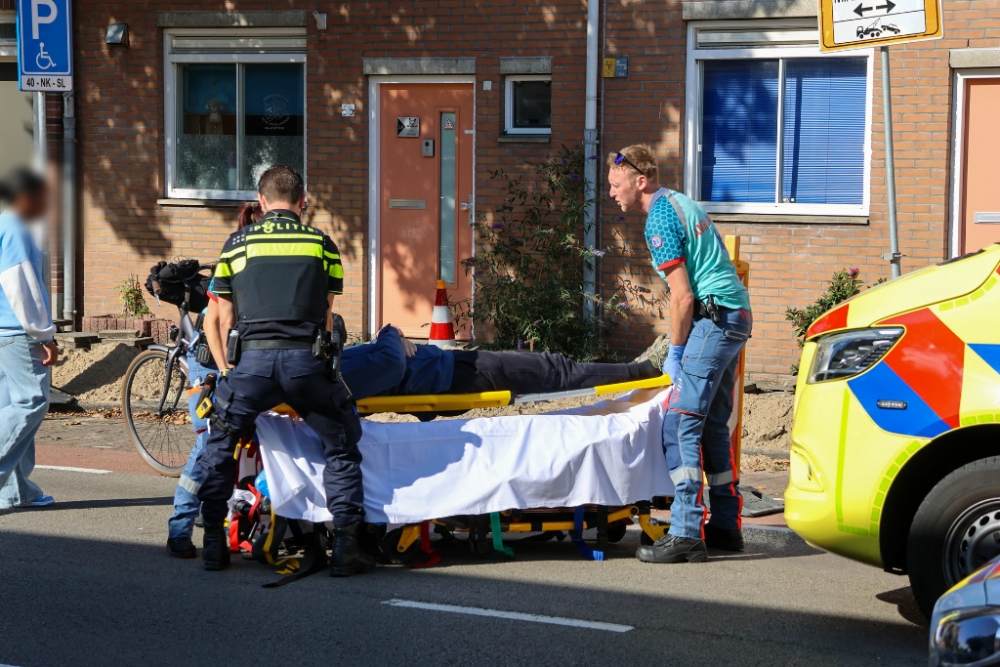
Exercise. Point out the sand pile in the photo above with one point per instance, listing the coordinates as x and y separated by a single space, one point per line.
94 376
767 421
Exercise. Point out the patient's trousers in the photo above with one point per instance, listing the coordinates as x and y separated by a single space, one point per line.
532 372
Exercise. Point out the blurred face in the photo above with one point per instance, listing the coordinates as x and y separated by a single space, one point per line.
626 188
31 207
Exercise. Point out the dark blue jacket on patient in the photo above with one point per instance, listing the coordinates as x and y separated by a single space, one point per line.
380 367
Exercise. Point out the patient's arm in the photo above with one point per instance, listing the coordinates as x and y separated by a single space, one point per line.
375 368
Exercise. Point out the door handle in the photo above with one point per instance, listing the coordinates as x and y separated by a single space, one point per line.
470 207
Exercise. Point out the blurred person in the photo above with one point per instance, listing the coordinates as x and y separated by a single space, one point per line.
27 348
180 526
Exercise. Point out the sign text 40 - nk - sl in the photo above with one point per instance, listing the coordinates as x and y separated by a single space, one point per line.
45 45
852 24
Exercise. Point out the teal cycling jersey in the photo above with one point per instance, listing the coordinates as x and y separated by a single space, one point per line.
678 230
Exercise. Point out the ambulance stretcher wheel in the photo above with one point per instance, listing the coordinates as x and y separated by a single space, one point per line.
616 532
391 540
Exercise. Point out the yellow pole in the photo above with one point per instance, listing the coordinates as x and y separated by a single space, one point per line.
743 271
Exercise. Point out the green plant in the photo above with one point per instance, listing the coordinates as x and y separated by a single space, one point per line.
844 284
529 267
130 293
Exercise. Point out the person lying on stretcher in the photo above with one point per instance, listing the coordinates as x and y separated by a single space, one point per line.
392 365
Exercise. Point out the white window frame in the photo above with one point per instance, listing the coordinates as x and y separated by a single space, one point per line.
693 97
509 104
172 62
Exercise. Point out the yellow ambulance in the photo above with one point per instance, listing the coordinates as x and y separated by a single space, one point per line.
895 456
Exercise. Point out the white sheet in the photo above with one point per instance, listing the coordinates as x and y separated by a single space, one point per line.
608 453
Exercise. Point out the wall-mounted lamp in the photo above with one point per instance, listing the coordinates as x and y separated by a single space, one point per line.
117 34
320 20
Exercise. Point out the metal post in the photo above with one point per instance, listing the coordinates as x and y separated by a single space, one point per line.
890 166
590 166
69 209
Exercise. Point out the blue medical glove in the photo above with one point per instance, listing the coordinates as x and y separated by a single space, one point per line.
672 364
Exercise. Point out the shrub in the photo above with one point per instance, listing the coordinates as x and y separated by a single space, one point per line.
130 294
844 284
529 267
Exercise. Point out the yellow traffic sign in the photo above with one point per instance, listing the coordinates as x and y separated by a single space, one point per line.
855 24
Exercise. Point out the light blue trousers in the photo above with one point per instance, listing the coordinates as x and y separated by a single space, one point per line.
24 400
186 503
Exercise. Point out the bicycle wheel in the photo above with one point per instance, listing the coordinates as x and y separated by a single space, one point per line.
157 419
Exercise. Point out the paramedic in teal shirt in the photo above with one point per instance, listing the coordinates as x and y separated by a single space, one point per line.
27 349
710 322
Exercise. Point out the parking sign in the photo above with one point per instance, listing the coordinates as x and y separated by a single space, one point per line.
45 45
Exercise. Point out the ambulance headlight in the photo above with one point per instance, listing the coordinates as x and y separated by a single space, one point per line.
842 355
967 637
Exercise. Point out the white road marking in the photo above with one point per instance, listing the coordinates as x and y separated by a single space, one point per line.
70 469
510 615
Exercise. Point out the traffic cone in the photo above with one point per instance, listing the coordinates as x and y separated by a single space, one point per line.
442 327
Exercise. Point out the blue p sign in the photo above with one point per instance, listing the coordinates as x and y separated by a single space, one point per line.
45 45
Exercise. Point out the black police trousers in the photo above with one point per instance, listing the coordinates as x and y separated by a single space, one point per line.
262 380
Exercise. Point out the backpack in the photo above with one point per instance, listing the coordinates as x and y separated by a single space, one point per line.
179 282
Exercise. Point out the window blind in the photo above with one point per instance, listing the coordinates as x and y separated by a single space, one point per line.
739 130
823 158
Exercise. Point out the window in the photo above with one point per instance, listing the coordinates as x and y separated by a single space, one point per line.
775 127
235 106
8 35
529 104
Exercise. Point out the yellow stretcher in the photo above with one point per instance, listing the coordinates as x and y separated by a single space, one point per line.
492 399
404 544
485 533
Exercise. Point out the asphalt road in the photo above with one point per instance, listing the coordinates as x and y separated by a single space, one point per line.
87 583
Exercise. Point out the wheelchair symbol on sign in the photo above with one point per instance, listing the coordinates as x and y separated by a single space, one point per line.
43 57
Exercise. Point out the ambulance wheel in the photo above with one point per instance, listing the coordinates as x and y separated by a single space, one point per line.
955 531
645 540
390 543
616 531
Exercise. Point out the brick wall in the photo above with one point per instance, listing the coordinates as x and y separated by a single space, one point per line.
120 100
120 106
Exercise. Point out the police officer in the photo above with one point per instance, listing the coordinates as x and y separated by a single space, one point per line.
710 322
276 281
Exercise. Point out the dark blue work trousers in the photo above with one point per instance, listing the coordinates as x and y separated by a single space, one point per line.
262 380
696 425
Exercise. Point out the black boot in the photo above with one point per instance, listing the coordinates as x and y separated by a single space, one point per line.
673 549
215 548
721 538
348 557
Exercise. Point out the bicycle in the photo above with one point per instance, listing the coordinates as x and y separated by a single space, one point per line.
155 392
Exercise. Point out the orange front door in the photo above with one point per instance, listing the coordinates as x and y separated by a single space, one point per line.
426 145
980 189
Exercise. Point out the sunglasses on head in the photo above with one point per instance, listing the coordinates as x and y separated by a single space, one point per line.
620 159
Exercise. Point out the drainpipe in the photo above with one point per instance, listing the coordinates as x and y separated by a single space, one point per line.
589 149
69 209
39 161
